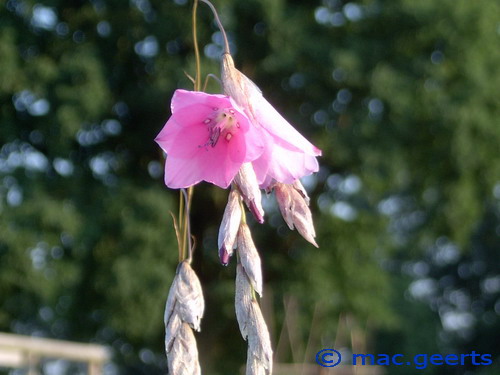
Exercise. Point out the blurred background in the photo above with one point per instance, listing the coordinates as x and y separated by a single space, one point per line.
402 96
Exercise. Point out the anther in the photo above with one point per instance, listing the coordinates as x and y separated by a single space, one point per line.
229 136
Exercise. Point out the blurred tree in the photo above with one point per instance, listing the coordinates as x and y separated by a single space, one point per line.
402 97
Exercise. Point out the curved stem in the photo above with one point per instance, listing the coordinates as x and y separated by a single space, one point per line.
197 78
213 76
221 28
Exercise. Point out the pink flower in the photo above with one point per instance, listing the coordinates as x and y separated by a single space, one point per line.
207 138
288 156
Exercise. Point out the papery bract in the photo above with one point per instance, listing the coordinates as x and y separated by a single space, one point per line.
207 138
246 181
229 227
288 156
293 203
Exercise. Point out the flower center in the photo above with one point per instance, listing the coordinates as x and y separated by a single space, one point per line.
222 123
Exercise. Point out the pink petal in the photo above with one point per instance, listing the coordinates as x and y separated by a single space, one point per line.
188 99
261 111
254 140
288 155
275 124
190 157
283 164
182 140
217 165
189 110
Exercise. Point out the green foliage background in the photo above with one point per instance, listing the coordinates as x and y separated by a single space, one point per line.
402 97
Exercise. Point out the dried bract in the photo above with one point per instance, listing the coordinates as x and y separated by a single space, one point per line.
252 326
183 355
294 206
186 297
254 365
183 311
242 299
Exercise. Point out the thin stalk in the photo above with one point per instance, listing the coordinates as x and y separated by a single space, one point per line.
197 78
181 222
243 213
187 227
185 240
221 28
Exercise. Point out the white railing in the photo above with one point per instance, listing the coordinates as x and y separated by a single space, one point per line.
18 351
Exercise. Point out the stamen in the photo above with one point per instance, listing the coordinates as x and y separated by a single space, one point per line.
214 137
219 124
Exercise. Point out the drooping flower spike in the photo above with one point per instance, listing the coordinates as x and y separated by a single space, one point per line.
207 138
287 155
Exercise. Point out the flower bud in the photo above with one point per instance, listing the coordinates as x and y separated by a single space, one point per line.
246 180
249 257
294 206
229 227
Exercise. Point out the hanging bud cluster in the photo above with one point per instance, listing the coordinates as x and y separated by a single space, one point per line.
236 139
183 313
252 326
231 232
234 233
